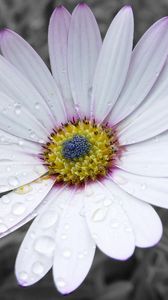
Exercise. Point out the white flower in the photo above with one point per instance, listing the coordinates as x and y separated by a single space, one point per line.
84 151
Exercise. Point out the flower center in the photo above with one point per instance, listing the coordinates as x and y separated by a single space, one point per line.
75 147
80 151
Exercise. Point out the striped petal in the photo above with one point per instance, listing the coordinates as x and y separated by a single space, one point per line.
84 44
74 246
19 206
145 222
149 189
23 56
152 114
113 63
58 49
108 223
148 59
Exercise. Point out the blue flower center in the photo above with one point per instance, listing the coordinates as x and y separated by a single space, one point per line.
76 147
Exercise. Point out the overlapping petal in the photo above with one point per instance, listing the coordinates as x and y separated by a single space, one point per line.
113 63
84 43
108 223
75 247
148 59
24 57
58 50
19 121
147 159
19 206
145 222
14 84
35 257
149 189
150 119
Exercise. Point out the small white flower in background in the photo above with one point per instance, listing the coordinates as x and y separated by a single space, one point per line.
84 151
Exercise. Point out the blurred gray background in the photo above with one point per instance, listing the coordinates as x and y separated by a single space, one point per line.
145 275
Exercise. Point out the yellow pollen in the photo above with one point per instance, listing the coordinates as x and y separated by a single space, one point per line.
94 164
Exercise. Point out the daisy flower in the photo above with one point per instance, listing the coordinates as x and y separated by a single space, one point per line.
83 150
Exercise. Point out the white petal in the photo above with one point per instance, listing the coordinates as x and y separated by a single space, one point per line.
58 49
113 63
108 223
146 158
16 174
17 206
35 257
74 246
8 141
152 114
147 61
23 56
15 85
17 120
149 189
145 222
84 44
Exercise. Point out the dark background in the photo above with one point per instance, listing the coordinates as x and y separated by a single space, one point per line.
145 275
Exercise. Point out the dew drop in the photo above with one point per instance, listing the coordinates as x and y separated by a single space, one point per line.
88 192
13 181
5 199
37 105
66 226
38 268
17 109
63 236
20 143
45 245
128 229
67 253
18 209
143 186
99 215
114 224
49 219
80 255
25 189
60 282
120 180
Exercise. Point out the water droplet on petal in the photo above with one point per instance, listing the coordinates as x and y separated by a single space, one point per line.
128 229
24 189
63 236
17 109
49 219
45 245
67 253
143 186
5 199
37 105
114 224
60 282
120 180
66 226
20 143
99 215
13 181
38 268
88 192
